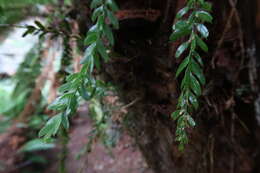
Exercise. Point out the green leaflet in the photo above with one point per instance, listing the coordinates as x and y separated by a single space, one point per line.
194 101
182 12
181 49
204 16
203 30
91 38
183 65
198 58
180 33
97 12
195 85
35 145
88 55
197 71
51 127
59 103
202 44
191 121
102 50
175 115
112 5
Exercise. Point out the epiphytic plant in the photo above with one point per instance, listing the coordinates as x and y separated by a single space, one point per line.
83 84
189 23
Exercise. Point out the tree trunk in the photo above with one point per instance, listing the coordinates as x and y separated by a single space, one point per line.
225 138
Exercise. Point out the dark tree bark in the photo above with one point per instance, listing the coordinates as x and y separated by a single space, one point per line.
225 139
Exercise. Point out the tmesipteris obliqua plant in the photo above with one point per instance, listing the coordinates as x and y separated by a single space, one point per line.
190 23
83 84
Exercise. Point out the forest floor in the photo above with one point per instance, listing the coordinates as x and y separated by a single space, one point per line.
125 157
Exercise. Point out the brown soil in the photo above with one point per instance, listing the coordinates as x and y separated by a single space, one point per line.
125 158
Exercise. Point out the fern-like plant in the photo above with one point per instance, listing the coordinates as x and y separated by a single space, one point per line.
83 84
189 24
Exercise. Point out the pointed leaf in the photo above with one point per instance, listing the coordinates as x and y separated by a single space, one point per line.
175 115
65 121
182 12
93 28
181 101
51 127
84 93
207 6
72 105
91 38
204 16
194 101
39 25
112 5
88 55
202 44
30 30
193 44
36 145
195 85
65 87
59 103
180 25
203 30
181 49
197 71
182 66
191 121
179 33
97 12
198 58
102 50
186 79
101 22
